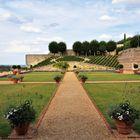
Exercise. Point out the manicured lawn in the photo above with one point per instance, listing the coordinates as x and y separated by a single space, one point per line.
37 77
107 95
15 94
110 76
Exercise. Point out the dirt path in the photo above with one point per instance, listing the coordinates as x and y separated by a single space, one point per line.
72 116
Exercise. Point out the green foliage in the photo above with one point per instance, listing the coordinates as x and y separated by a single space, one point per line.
135 42
44 62
18 115
85 48
53 47
14 66
58 78
77 47
111 46
102 47
62 47
83 77
109 61
94 47
124 112
70 58
61 65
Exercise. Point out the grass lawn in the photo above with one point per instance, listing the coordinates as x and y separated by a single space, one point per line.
37 77
107 95
15 94
110 76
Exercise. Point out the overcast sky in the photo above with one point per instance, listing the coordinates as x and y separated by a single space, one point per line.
27 26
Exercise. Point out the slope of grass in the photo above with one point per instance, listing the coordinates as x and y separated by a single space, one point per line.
70 58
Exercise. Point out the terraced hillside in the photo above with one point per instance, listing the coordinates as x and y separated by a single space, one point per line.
109 61
46 62
70 58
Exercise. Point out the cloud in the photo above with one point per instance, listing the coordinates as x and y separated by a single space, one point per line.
106 18
21 47
4 15
105 37
30 28
126 1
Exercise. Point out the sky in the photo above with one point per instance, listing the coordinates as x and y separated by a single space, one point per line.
28 26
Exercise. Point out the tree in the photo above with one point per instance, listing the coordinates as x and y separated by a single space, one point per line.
102 47
135 41
62 47
85 48
77 46
53 47
61 65
111 46
94 46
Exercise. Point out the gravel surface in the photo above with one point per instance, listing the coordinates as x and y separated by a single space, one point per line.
72 116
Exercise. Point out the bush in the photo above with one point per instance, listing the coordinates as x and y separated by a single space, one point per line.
18 115
58 78
83 77
14 67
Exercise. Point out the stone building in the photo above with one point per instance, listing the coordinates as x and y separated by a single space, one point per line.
129 57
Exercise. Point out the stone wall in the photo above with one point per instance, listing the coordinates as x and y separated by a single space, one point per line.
129 57
33 59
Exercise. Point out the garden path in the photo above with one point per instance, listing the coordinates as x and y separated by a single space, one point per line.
72 116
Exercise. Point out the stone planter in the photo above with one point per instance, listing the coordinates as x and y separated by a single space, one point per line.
15 81
58 81
123 128
82 81
120 70
22 129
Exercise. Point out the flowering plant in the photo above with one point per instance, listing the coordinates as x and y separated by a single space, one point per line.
18 115
124 111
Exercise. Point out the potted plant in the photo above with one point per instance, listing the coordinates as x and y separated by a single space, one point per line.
21 78
77 72
83 78
20 117
15 79
135 68
124 115
58 78
120 67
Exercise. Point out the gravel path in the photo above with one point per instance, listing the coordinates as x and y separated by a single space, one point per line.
72 116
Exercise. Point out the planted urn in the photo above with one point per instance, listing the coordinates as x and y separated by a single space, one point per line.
20 117
124 115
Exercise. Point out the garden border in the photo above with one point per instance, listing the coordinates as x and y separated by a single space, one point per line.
104 119
40 118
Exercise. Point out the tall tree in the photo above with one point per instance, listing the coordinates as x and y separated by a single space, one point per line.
53 47
62 47
111 46
85 48
135 41
77 47
102 47
94 47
